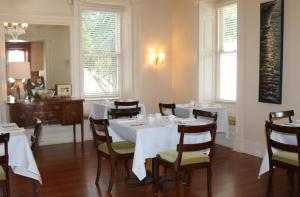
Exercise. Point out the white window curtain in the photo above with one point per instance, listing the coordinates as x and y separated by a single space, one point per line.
227 52
101 51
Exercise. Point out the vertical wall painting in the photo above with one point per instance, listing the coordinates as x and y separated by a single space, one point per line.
271 50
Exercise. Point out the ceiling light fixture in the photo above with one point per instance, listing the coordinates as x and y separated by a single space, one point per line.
15 29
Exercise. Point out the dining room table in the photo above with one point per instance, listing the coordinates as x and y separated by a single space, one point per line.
101 109
186 111
154 135
20 157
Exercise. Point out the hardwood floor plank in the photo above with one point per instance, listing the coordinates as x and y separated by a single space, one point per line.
67 171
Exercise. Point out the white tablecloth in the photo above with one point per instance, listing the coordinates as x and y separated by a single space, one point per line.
185 111
150 139
287 139
21 159
99 110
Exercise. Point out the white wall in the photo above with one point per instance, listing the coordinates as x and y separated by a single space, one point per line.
36 7
184 50
56 39
249 136
255 113
151 29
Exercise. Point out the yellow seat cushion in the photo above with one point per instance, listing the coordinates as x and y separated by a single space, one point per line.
123 147
2 174
286 157
187 157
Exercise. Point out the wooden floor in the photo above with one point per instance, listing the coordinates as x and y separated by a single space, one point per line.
68 171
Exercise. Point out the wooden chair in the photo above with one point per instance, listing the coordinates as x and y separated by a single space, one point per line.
205 114
273 116
164 106
4 169
288 156
130 109
187 156
126 112
113 151
35 138
126 104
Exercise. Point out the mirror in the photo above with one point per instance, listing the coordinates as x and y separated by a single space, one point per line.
47 49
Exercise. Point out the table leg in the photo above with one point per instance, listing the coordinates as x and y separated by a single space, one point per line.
74 133
82 134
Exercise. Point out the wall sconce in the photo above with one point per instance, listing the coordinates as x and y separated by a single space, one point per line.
157 58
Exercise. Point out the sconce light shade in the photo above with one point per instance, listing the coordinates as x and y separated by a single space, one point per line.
157 58
19 70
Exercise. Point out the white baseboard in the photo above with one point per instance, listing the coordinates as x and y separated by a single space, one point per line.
57 134
253 148
222 140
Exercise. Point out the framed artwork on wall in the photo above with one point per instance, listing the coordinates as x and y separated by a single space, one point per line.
271 51
63 90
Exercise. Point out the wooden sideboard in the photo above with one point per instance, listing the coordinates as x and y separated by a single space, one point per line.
51 111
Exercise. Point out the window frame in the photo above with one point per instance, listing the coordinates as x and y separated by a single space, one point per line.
105 8
220 51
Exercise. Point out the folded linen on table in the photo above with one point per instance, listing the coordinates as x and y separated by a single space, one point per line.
131 120
193 121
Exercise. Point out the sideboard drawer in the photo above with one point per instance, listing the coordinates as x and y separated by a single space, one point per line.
72 113
48 117
50 106
22 114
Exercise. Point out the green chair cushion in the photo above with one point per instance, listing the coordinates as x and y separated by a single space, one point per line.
187 157
122 147
2 174
286 157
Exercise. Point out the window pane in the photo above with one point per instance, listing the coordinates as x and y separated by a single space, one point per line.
16 56
101 53
228 76
229 27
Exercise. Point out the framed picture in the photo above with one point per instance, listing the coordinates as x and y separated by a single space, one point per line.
63 90
271 50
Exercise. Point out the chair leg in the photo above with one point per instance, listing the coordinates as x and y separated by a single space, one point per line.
298 183
209 174
270 180
98 169
188 182
165 170
127 168
35 191
4 193
177 182
7 187
112 176
156 178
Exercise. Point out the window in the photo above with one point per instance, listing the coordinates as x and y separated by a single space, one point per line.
16 56
227 53
101 50
17 52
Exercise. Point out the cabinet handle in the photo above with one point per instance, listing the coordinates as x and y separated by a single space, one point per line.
73 113
56 107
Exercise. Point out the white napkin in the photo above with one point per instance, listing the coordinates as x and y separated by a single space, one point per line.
182 105
126 120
